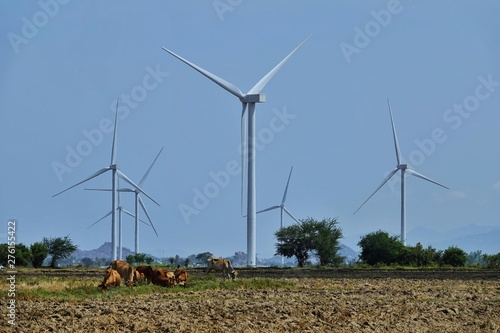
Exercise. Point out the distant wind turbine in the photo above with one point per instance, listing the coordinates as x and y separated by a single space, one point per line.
404 169
282 205
250 98
138 201
115 173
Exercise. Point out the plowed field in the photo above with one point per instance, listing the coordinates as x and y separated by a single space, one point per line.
311 301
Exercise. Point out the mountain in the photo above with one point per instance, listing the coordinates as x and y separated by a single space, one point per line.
469 238
104 251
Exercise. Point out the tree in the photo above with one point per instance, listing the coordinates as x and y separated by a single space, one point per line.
454 256
324 237
202 258
292 242
58 248
379 248
87 262
20 253
39 252
130 259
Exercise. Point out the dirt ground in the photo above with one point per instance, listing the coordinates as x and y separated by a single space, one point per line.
387 303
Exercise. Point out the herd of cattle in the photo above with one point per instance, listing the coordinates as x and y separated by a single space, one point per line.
120 270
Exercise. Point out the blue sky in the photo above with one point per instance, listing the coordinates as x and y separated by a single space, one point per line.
63 64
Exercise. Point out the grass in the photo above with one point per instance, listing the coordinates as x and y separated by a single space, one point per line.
74 288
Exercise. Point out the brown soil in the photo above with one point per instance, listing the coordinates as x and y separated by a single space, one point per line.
388 303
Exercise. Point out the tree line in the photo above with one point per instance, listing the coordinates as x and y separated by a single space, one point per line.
56 247
307 239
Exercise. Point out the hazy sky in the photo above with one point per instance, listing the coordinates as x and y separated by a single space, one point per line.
63 64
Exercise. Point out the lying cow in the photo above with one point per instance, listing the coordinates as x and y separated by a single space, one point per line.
181 276
125 270
221 265
164 279
111 279
147 271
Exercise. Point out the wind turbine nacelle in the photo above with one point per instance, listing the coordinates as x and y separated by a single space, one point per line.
254 98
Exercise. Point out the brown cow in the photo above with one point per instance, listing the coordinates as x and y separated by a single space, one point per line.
111 279
164 279
222 265
147 271
125 270
139 277
181 276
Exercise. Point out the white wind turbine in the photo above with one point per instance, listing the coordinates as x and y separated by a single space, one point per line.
115 173
282 208
138 201
250 98
404 169
282 205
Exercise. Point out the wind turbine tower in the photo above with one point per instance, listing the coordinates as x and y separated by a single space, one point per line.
405 169
115 173
249 99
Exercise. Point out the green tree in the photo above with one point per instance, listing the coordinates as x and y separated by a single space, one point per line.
324 238
292 242
39 252
148 260
379 248
492 261
87 262
454 256
130 259
20 254
202 258
186 262
140 257
58 248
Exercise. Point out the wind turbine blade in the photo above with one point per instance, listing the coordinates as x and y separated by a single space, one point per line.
221 82
113 148
378 188
262 83
243 153
102 218
286 188
416 174
396 144
268 209
132 215
97 189
125 178
103 170
290 214
147 215
118 193
150 167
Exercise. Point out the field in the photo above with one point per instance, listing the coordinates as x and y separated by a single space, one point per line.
261 300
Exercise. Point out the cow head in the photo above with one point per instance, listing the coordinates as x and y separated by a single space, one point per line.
234 274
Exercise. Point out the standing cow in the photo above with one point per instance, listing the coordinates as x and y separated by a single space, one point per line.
221 265
125 270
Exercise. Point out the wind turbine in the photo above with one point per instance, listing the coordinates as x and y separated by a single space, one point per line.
282 205
115 173
404 169
138 201
282 208
249 99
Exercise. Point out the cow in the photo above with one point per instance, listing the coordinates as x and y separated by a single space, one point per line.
223 265
147 271
164 279
181 276
111 279
125 270
139 277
